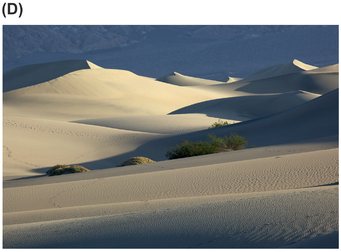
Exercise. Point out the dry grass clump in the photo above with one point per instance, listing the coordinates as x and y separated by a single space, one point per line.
212 145
60 169
220 123
136 161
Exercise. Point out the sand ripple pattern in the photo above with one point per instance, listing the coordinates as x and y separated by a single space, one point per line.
292 171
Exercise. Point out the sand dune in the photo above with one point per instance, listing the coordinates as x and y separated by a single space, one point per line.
280 69
316 81
320 81
183 80
289 126
61 142
326 69
94 93
248 107
34 74
283 193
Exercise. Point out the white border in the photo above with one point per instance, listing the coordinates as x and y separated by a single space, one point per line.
189 12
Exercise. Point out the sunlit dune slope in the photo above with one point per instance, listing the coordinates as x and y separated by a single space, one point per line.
163 124
183 80
93 93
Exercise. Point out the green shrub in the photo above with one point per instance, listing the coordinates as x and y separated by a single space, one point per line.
212 145
235 142
60 169
219 124
136 161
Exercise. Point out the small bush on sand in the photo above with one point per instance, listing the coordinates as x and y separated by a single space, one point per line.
219 124
212 145
136 161
60 169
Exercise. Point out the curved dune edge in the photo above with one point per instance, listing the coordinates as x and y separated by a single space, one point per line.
229 79
92 65
280 69
163 124
94 93
327 69
319 81
183 80
29 75
248 107
303 66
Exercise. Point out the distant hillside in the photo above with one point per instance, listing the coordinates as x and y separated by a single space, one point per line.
20 40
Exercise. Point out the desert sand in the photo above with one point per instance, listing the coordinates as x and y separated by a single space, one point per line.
281 193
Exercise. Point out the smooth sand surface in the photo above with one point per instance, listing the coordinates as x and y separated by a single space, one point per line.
163 124
94 93
282 193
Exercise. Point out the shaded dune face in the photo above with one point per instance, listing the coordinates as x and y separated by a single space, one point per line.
319 83
34 74
313 119
290 67
317 118
317 80
249 106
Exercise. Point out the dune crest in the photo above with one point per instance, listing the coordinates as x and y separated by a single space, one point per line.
38 73
280 69
99 92
327 69
162 124
229 79
248 107
92 65
183 80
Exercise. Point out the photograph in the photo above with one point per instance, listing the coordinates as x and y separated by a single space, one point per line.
160 133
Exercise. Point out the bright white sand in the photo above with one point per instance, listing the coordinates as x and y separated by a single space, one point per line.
284 193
